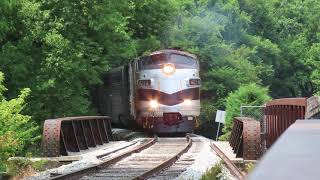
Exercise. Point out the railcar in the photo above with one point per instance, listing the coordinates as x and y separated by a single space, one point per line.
159 92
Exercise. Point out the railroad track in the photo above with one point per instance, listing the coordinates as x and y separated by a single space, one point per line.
149 160
230 165
181 165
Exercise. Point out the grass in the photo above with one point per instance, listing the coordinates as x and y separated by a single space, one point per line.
215 173
249 166
14 167
20 168
245 167
225 136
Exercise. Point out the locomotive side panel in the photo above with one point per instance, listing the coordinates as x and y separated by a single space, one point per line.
133 73
114 95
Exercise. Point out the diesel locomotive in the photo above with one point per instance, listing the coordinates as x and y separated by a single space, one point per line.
159 92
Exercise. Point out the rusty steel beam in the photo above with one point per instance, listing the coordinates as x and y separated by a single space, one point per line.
293 156
287 102
235 136
231 166
73 134
280 114
251 139
245 138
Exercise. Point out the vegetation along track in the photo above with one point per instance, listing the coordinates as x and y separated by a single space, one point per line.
142 162
231 166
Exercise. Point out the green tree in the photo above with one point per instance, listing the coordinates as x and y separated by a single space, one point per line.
250 94
216 31
60 49
313 62
291 26
16 130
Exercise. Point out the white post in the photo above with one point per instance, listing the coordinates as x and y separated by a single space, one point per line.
218 131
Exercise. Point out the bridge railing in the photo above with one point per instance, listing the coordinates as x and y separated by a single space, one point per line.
245 138
280 114
72 134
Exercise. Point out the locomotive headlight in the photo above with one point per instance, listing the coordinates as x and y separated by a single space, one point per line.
169 68
153 104
187 102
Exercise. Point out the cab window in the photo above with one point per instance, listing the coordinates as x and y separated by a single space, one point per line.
158 60
183 62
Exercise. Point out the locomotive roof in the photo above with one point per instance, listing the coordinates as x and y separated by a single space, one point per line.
170 51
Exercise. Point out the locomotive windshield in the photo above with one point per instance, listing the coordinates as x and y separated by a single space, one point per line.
158 60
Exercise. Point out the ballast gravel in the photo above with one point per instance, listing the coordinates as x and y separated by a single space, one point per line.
204 160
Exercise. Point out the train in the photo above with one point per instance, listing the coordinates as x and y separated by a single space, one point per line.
159 92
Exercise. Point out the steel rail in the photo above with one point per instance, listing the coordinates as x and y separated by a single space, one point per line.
166 163
231 166
90 169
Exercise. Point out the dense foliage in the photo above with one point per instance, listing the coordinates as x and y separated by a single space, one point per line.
16 130
60 48
207 29
250 95
216 32
271 43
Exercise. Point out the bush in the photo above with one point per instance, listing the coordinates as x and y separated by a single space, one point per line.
251 94
214 173
16 130
24 166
